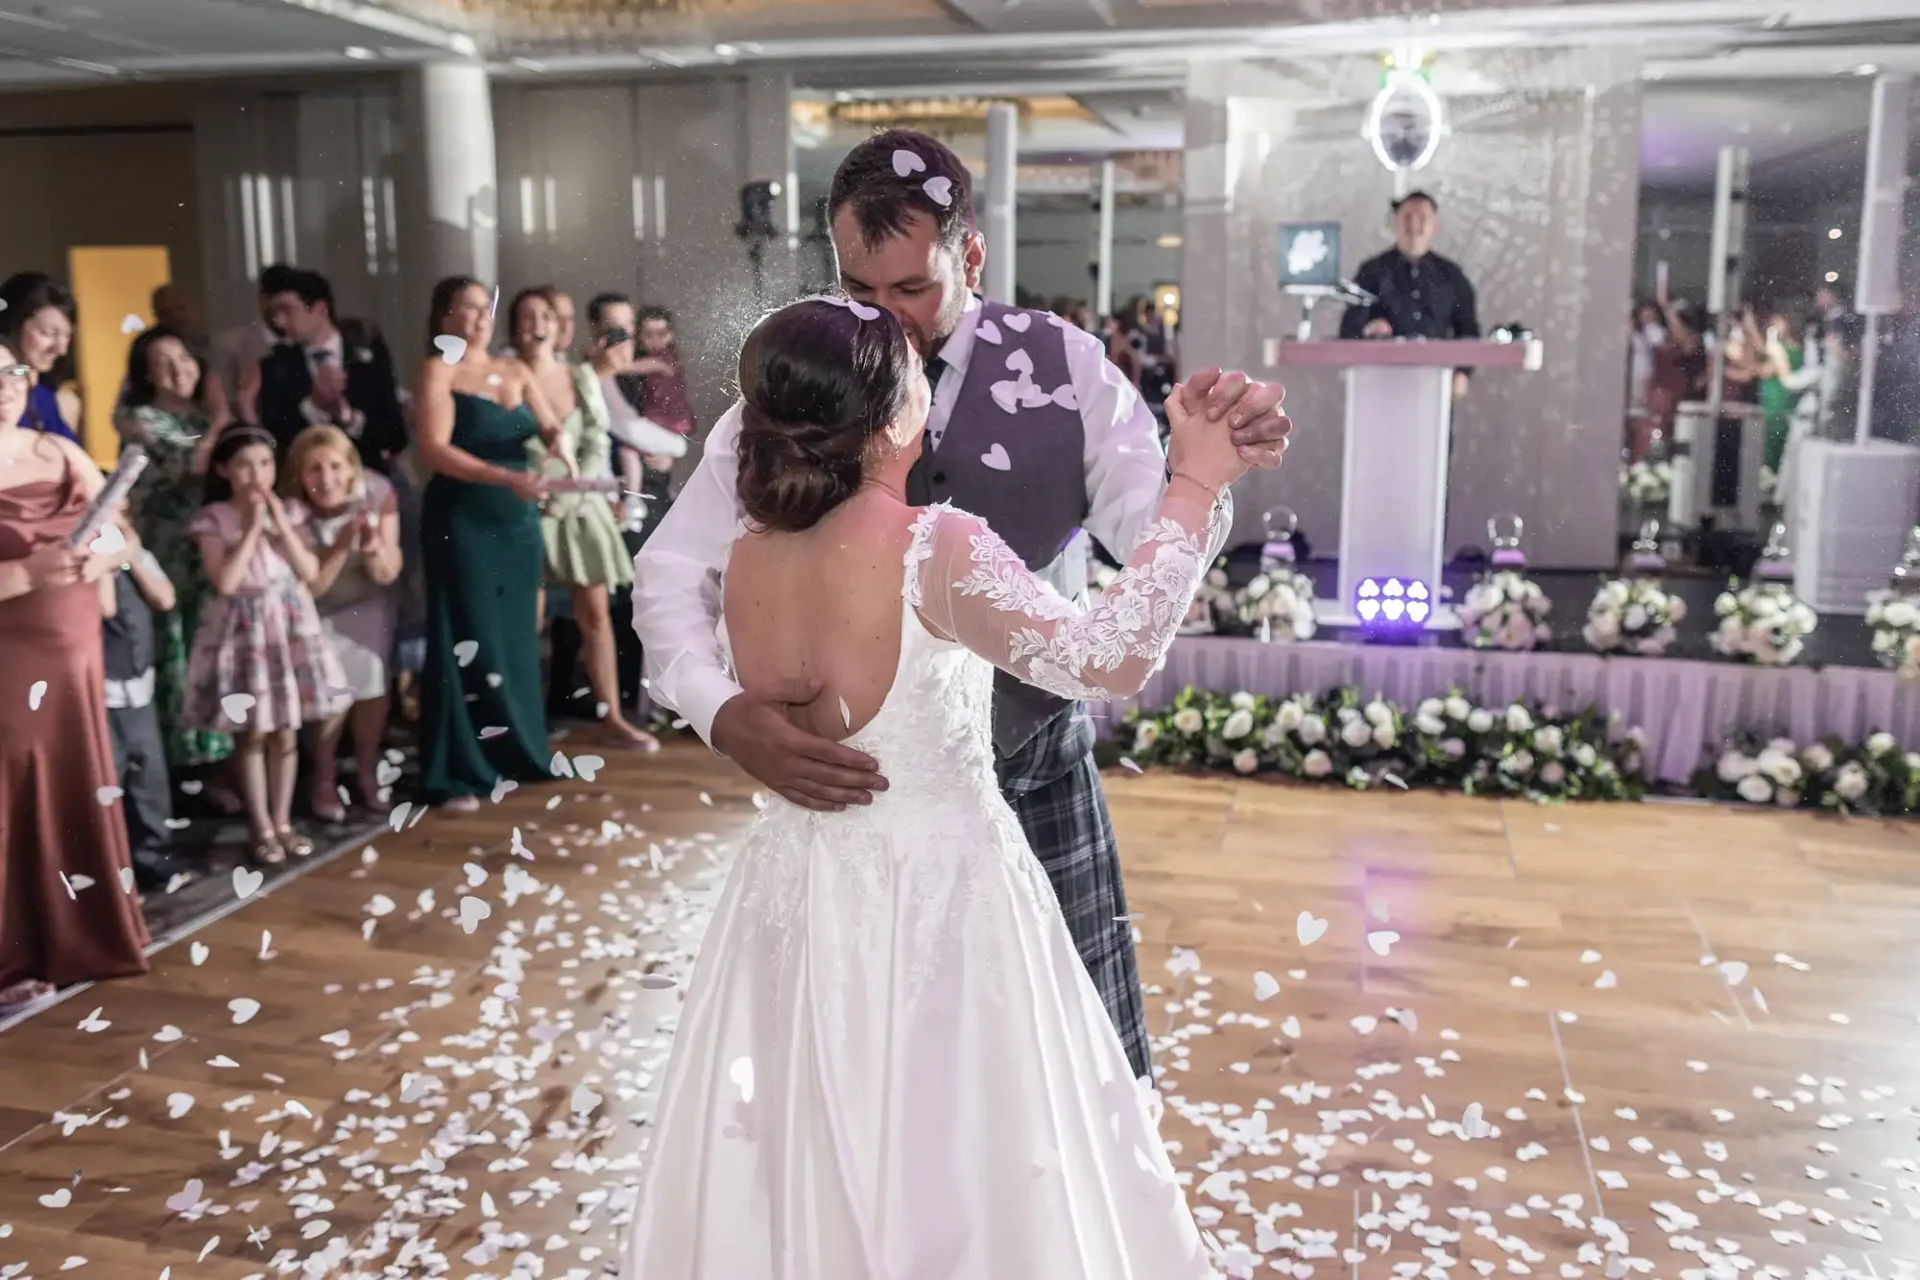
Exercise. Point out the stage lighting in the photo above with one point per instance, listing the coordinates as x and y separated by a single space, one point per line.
1393 606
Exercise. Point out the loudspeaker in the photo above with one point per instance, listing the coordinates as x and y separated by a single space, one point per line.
1877 283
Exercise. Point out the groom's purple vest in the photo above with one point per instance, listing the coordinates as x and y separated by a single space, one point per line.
1022 471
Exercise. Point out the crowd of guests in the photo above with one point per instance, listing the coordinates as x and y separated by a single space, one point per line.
1794 364
312 536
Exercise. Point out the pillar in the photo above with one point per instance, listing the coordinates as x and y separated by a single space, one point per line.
1103 272
1882 221
1003 160
451 224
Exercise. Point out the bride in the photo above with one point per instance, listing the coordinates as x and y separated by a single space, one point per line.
892 1064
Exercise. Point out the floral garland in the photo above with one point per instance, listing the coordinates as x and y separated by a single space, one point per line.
1635 614
1873 779
1505 610
1521 749
1895 619
1764 622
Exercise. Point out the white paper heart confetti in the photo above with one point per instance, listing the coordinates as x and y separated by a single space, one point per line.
188 1196
109 541
131 323
57 1199
247 882
939 190
473 911
1309 928
906 163
168 1034
997 458
989 332
178 1104
1265 986
588 767
198 953
465 651
1473 1123
236 705
107 795
741 1073
243 1009
1017 321
451 346
584 1100
863 311
36 694
1381 941
127 879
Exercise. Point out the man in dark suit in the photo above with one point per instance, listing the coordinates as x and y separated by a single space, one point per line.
1420 294
326 373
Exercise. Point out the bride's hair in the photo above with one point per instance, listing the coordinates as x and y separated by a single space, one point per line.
818 381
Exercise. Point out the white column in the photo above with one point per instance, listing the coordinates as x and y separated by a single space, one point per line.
454 222
1003 160
1882 214
1103 277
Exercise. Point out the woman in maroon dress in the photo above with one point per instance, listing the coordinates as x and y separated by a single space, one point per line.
67 908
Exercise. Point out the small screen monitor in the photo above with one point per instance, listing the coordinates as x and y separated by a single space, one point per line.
1309 254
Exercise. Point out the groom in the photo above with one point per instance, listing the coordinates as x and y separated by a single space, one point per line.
1031 429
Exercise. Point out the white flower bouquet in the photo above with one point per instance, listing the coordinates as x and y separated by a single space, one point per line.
1763 622
1277 604
1505 610
1647 484
1636 615
1895 619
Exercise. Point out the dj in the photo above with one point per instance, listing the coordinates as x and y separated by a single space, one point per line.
1420 294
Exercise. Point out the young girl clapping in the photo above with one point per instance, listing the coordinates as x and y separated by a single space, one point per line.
261 666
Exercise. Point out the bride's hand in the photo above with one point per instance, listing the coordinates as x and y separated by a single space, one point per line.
1200 447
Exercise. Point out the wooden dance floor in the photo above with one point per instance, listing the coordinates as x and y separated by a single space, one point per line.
1525 1037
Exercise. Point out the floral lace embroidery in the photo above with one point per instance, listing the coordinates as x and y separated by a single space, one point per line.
1136 617
919 550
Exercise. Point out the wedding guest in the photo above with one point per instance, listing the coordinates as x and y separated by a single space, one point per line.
238 351
56 751
623 388
36 322
261 664
165 412
564 330
141 589
327 372
353 526
482 720
584 551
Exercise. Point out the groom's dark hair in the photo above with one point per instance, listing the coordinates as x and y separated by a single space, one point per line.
882 199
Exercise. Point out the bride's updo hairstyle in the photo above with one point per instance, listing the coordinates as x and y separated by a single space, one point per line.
818 381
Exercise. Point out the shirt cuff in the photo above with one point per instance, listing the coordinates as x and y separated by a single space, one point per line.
698 697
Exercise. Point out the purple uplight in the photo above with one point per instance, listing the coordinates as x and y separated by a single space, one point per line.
1392 606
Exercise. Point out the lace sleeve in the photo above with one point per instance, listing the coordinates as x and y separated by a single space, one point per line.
970 587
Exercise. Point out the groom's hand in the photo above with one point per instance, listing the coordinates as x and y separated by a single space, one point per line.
753 730
1251 409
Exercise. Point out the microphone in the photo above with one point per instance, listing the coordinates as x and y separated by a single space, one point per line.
1349 292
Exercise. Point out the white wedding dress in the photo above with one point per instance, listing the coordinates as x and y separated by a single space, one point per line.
891 1064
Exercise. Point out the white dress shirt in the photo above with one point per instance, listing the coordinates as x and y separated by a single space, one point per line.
334 351
676 593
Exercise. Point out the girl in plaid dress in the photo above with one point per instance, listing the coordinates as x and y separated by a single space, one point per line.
261 665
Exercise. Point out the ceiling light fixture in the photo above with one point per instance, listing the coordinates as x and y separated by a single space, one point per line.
1867 69
359 54
725 52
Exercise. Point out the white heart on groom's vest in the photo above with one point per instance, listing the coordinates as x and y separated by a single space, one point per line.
1019 361
1017 321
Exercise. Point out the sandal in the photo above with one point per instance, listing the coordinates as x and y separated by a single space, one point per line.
268 853
23 993
295 843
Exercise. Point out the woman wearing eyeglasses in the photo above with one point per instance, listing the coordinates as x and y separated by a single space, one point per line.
66 915
36 322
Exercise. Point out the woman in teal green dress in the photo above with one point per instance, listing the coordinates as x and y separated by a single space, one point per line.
482 717
165 410
1785 355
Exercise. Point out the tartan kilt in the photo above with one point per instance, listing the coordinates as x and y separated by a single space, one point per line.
1053 787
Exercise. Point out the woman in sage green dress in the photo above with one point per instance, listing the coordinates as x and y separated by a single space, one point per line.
585 552
482 718
172 410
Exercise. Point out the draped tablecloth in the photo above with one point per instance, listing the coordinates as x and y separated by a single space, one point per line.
1685 707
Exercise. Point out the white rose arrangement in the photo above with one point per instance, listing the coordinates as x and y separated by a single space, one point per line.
1764 622
1647 484
1895 619
1634 615
1505 610
1279 597
1874 778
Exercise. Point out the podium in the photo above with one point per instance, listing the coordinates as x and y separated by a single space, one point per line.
1393 506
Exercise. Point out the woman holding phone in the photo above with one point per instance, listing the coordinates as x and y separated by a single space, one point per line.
60 816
